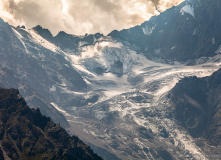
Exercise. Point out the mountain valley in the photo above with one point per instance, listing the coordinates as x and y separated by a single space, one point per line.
121 93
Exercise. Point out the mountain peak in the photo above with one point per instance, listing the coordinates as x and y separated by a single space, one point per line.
45 33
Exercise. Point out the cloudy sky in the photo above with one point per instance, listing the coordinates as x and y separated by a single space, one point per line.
81 16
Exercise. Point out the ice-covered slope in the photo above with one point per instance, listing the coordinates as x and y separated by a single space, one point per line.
18 69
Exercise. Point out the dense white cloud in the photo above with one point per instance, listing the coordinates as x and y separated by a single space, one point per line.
81 16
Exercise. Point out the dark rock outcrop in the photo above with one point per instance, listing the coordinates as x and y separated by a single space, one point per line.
26 134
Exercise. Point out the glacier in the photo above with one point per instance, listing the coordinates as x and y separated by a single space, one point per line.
112 92
126 95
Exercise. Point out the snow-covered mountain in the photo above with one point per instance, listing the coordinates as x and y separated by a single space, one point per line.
186 32
111 91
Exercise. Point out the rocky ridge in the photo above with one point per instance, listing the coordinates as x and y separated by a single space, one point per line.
26 134
197 107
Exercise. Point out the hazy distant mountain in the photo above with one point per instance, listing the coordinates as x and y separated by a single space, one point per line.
112 91
26 134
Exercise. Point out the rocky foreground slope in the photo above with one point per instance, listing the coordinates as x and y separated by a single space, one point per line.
26 134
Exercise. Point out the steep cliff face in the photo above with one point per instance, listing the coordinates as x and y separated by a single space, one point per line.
186 32
197 103
26 134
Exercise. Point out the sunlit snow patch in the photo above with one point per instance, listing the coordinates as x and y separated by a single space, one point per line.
19 36
218 50
59 109
41 41
147 30
187 9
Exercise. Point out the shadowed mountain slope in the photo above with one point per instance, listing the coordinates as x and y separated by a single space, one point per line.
197 103
26 134
186 32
